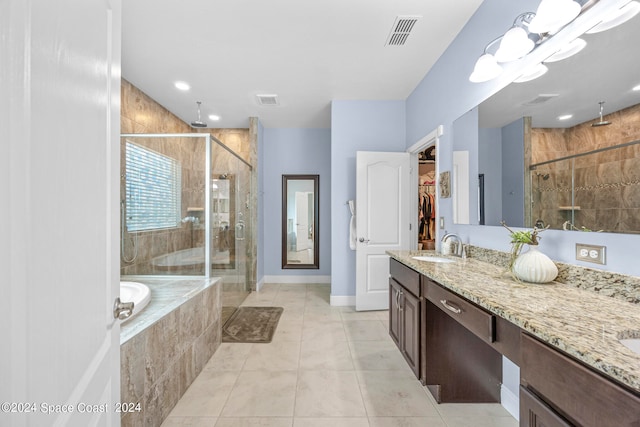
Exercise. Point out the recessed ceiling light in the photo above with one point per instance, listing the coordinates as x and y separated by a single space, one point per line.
182 86
565 117
214 117
636 88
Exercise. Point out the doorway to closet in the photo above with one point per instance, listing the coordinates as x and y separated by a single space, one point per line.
427 198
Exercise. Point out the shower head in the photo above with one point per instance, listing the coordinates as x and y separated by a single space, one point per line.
602 122
198 123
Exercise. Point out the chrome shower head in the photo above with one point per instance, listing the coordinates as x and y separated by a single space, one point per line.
602 122
198 123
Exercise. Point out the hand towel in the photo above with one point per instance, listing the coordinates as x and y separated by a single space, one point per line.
352 226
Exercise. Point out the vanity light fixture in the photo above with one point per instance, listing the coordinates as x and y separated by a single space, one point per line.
569 50
565 117
183 86
617 17
486 69
532 73
553 15
516 42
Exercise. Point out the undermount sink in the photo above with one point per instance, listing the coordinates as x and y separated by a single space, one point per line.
432 259
632 344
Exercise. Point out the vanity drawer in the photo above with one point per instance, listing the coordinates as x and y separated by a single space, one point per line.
472 317
408 278
578 393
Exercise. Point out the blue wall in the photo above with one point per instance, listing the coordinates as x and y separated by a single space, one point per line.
513 173
356 126
490 164
294 151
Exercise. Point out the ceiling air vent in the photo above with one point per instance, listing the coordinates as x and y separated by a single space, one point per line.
401 29
541 99
267 100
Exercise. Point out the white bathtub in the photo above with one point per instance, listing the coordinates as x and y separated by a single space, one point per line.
185 258
135 292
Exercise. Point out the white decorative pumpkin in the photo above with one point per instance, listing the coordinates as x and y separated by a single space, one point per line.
535 267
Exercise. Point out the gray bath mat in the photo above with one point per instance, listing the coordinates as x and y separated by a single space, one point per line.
252 325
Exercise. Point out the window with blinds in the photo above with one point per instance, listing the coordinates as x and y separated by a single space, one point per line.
152 189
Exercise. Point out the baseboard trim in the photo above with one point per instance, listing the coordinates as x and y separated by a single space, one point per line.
342 301
510 401
297 279
259 284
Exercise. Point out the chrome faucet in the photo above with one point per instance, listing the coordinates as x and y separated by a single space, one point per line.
459 248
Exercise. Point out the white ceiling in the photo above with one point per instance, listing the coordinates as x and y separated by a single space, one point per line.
306 52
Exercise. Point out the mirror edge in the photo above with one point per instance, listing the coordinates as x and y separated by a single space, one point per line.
316 219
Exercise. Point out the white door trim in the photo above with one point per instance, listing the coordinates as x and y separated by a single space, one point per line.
432 138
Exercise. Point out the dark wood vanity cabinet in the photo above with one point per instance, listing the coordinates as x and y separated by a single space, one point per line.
404 313
459 363
559 391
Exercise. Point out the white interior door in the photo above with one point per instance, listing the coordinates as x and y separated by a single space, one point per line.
59 157
302 221
382 220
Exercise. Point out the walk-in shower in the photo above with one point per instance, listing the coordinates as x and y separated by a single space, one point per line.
185 200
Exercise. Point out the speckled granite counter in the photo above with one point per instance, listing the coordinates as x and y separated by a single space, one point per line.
581 323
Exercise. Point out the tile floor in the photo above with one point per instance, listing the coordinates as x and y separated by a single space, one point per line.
326 366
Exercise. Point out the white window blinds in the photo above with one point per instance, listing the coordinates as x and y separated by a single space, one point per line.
152 189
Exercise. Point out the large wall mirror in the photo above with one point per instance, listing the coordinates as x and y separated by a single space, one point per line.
300 243
581 173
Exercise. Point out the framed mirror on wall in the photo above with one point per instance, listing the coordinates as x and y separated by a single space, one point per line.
300 207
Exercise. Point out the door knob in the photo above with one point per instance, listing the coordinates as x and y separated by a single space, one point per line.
363 240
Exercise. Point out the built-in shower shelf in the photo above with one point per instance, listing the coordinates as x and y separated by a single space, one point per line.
569 208
195 209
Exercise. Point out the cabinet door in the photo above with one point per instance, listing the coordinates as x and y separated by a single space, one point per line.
535 413
410 330
394 311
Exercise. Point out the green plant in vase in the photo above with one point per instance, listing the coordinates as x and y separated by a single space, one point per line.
518 240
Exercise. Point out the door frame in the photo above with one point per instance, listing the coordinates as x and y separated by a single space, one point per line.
430 139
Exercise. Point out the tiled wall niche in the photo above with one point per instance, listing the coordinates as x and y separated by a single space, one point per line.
607 184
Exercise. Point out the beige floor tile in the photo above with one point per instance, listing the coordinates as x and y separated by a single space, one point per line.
229 357
328 394
480 422
262 394
190 422
283 356
472 410
365 330
327 332
207 395
330 422
288 330
321 313
316 355
377 356
434 421
255 422
391 393
349 313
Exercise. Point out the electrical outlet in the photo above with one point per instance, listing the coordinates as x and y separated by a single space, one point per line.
591 253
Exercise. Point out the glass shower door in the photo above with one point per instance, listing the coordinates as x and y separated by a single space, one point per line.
230 225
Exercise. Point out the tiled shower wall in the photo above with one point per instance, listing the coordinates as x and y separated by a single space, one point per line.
607 184
141 114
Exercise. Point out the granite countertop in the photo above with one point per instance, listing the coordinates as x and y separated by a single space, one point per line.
579 322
